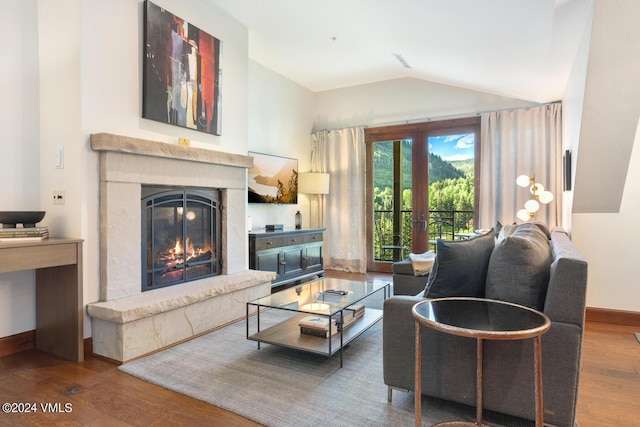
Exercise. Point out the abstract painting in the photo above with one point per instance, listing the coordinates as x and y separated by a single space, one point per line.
182 72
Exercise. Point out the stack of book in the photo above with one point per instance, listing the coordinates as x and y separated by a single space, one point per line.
325 327
349 315
23 234
318 326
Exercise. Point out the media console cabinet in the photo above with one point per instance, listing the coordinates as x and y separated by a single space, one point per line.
292 254
58 266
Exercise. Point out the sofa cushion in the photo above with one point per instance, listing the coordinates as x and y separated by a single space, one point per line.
460 267
519 267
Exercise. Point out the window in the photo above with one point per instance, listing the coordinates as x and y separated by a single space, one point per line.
421 186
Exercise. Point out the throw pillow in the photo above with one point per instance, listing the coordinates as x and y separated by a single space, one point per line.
422 263
460 267
519 267
543 227
498 228
507 231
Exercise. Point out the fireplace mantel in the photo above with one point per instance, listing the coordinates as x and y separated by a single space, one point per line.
126 324
145 147
126 164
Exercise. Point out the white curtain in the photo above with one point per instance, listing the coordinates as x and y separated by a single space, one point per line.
520 142
340 153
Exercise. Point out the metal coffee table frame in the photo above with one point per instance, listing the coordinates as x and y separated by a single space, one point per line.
287 333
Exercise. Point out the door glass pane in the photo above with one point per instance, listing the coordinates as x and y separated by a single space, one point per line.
392 200
451 186
407 195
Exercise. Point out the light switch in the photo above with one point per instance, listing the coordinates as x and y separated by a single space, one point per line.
60 158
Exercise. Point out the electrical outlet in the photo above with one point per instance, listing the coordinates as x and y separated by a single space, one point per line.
58 197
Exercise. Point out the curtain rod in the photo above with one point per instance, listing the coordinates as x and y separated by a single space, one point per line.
445 117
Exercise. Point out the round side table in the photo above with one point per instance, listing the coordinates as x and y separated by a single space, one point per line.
481 319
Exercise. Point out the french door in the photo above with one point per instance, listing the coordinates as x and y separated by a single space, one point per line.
398 171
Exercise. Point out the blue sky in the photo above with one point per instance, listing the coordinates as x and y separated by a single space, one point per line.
452 147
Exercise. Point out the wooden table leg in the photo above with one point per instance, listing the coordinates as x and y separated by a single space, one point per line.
537 350
418 375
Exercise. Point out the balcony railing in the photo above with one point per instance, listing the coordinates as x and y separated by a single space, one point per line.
390 246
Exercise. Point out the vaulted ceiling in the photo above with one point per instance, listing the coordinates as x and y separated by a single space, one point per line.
517 48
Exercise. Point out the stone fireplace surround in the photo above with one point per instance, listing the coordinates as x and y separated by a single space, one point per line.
127 323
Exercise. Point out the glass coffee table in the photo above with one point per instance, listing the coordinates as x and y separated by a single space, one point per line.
328 301
481 319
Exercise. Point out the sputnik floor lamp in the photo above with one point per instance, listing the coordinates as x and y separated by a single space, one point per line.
538 193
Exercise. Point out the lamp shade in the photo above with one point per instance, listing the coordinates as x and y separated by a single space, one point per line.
545 197
524 215
532 205
536 188
313 183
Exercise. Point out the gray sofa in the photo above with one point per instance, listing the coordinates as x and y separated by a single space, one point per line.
449 362
405 282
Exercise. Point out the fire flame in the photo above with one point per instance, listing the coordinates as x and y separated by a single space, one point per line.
177 249
177 253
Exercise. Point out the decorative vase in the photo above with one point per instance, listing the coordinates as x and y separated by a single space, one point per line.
298 220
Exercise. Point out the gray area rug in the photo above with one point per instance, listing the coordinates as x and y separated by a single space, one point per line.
283 387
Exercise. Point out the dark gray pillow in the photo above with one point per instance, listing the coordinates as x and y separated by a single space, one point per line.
460 267
519 267
543 227
497 229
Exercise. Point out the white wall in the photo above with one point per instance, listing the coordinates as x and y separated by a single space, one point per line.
611 107
401 100
19 135
60 113
281 115
608 240
19 132
111 81
572 103
86 57
112 54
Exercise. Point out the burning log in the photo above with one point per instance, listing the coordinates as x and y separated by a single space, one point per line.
204 256
174 269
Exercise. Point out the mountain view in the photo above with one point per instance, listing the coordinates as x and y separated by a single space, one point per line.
450 190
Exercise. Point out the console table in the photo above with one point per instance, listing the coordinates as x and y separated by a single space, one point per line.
58 265
292 254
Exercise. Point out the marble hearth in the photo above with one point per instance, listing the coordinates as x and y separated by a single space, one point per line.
127 323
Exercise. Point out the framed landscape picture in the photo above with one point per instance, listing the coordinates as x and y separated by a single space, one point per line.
182 72
273 179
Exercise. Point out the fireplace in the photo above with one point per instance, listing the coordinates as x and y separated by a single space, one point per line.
140 177
180 235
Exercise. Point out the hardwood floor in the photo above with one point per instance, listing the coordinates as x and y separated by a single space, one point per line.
101 395
610 376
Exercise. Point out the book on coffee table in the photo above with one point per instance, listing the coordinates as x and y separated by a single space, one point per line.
317 332
318 325
349 315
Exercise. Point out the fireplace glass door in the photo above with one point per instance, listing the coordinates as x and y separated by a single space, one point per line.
180 240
